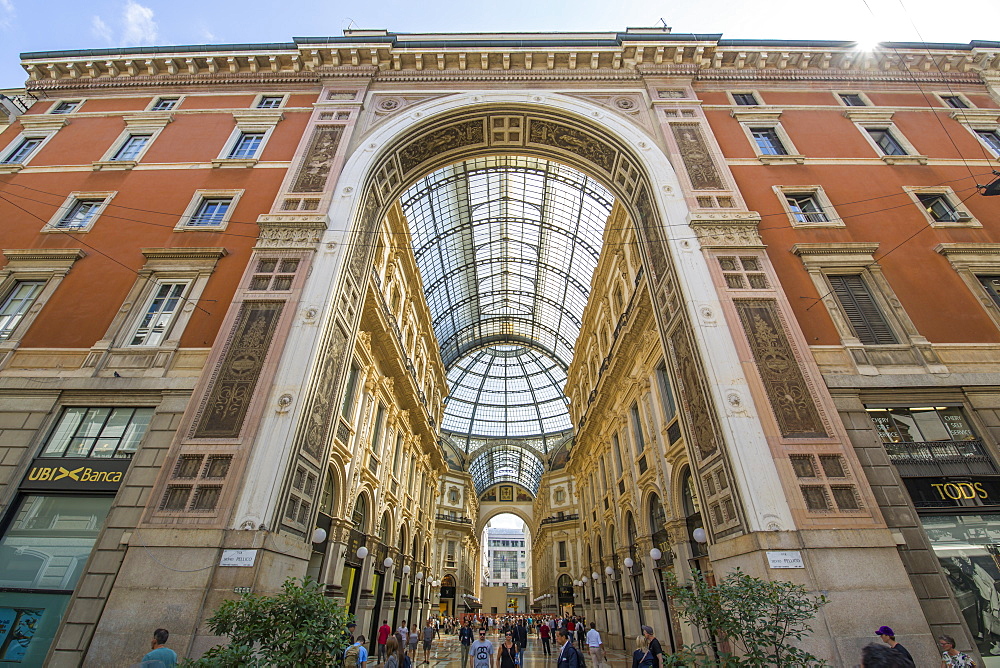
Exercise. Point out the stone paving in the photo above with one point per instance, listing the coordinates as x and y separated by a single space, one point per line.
446 653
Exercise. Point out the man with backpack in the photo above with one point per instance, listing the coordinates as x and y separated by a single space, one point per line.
569 656
356 655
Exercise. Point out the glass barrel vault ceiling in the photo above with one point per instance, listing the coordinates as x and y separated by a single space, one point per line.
506 247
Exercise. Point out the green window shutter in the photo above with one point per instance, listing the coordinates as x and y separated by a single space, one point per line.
867 320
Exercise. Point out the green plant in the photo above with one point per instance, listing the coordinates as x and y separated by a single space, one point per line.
760 621
298 627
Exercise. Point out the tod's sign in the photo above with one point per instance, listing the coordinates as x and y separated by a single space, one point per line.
954 492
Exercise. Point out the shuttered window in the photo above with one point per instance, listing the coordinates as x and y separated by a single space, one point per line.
867 320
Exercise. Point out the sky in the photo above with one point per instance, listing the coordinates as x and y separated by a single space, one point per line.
47 25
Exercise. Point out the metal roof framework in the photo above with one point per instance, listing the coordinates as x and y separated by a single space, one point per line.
506 247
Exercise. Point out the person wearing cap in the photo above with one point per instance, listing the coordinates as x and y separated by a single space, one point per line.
889 638
654 646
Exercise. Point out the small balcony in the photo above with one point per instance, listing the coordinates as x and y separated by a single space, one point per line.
941 458
457 519
560 518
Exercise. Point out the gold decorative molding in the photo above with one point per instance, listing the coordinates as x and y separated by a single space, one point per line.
727 233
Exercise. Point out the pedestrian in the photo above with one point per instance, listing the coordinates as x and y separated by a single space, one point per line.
654 646
383 637
595 644
521 638
481 651
404 632
414 637
429 633
351 628
569 656
394 653
581 632
507 655
880 656
951 657
544 634
159 652
641 656
888 636
356 655
465 640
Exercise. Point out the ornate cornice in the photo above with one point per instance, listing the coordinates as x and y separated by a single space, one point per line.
727 230
497 57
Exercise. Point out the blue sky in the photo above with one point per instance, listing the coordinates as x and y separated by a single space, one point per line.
41 25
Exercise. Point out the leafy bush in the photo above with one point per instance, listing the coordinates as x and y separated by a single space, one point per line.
298 628
760 620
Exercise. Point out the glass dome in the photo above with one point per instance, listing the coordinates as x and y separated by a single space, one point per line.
506 247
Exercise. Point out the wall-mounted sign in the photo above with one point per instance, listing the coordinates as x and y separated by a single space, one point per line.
75 475
242 590
972 491
565 594
506 493
243 558
785 559
447 592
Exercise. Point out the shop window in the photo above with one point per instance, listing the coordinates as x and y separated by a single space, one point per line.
98 432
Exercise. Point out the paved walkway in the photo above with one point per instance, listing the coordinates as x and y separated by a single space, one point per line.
446 653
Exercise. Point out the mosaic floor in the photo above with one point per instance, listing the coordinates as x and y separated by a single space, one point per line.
446 653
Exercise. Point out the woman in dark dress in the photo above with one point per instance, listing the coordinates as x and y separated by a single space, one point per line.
507 655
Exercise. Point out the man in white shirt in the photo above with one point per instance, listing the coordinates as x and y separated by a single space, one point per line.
404 632
595 645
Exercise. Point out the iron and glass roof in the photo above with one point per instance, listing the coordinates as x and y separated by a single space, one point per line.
506 246
506 464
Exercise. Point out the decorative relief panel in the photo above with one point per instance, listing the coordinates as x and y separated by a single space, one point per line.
557 135
232 388
791 401
699 412
315 168
439 141
648 227
697 158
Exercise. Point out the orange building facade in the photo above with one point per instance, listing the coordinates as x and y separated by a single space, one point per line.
213 334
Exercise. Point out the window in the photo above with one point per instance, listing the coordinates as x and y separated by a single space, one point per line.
24 148
768 141
939 208
246 146
17 303
132 147
886 141
348 405
865 317
745 99
211 212
66 107
159 314
992 286
852 100
80 215
991 138
270 101
955 101
98 432
164 104
805 208
640 441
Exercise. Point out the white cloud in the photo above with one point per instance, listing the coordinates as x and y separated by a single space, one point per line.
101 30
6 12
139 26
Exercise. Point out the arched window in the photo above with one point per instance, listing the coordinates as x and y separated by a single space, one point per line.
383 529
360 515
329 497
658 524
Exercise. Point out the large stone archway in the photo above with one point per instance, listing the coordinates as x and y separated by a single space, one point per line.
630 163
488 511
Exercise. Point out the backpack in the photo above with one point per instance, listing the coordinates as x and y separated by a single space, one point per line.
579 656
352 655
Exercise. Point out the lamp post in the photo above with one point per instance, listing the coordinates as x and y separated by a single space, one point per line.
636 597
656 555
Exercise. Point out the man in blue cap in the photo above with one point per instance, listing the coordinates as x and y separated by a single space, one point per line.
889 638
